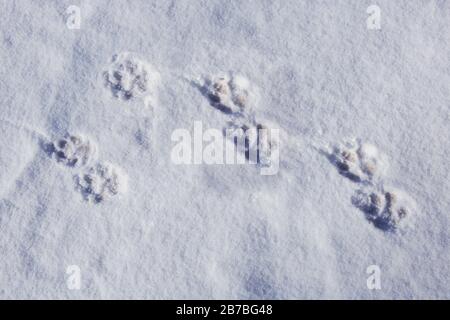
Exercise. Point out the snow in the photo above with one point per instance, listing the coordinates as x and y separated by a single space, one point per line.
177 231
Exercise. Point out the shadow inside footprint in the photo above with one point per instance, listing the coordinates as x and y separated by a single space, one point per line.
371 213
71 150
47 147
342 167
52 151
214 100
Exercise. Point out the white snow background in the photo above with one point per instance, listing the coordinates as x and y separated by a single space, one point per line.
224 231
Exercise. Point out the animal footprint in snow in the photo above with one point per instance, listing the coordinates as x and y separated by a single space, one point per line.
358 161
235 95
129 77
259 142
72 150
100 182
386 209
230 93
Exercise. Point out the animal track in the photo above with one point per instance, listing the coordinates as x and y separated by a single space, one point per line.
129 77
96 183
72 150
235 96
364 164
360 162
386 209
229 94
100 182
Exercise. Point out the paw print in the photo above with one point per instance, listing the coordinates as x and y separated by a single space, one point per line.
365 165
231 94
95 182
128 77
386 209
359 162
101 182
234 95
72 150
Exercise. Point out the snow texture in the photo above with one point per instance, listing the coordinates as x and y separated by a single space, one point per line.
86 177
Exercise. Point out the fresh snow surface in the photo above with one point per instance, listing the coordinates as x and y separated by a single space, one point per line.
363 181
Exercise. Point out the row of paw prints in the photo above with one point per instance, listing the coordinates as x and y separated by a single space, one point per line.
95 180
129 77
385 206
